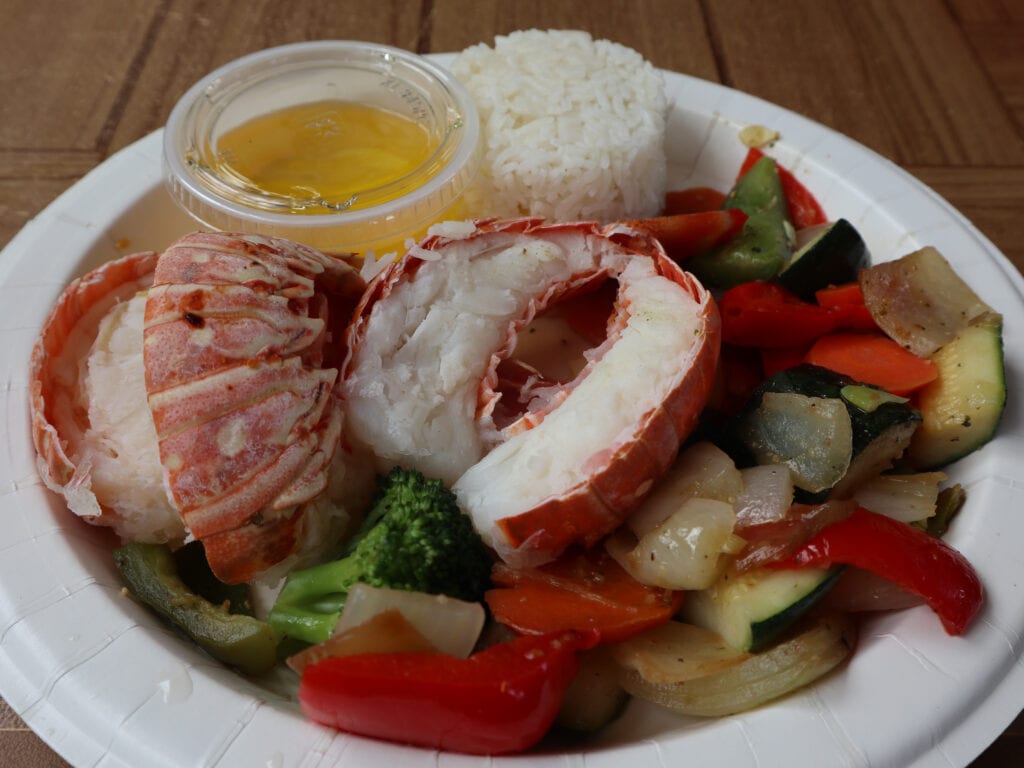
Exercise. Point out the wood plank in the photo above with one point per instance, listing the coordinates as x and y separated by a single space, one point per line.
30 180
21 746
72 60
995 30
55 165
901 77
992 198
671 33
22 199
196 37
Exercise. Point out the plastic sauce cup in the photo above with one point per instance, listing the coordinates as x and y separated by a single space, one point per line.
325 71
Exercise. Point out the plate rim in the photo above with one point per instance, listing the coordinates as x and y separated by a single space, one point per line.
60 730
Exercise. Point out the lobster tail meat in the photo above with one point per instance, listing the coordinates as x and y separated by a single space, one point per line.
191 393
247 421
421 379
78 437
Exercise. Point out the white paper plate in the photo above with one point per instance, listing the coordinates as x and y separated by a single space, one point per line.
106 685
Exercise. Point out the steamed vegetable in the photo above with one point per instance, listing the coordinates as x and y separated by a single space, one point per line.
686 551
920 301
765 245
962 407
803 208
739 682
833 254
415 538
684 236
595 698
879 430
873 358
451 626
904 554
150 573
499 700
751 610
765 315
583 590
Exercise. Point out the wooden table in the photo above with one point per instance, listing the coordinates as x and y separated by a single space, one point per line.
937 86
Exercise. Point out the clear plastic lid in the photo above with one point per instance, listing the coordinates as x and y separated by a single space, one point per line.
325 71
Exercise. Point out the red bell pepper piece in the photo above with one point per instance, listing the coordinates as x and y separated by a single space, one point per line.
780 359
500 700
804 209
739 373
765 315
685 235
848 301
585 590
693 200
921 564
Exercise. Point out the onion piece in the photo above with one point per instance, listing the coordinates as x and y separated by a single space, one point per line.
595 697
820 647
920 301
769 542
452 626
386 632
812 436
684 552
908 498
859 590
767 495
675 652
703 469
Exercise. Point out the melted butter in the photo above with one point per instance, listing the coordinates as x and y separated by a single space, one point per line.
328 156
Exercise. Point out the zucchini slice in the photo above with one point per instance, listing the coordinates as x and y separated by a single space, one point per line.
963 406
750 610
881 430
880 433
835 256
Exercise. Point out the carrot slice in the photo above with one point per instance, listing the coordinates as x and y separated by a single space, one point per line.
584 591
873 358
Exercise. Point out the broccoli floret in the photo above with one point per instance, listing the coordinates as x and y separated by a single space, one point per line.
415 537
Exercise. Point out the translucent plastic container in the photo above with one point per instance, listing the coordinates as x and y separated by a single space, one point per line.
291 76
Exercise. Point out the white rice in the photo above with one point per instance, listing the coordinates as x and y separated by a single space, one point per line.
574 128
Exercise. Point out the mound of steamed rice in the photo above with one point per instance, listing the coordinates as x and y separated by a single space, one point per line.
574 128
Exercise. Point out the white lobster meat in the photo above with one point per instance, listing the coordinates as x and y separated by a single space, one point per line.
426 341
193 393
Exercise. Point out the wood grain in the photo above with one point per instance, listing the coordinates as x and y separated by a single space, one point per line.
936 86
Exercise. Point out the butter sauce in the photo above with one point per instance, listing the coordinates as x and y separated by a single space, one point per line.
327 156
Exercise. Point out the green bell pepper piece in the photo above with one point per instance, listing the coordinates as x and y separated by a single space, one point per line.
765 246
151 576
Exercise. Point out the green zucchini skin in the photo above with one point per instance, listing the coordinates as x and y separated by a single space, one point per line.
836 257
765 245
751 610
962 408
815 381
879 435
